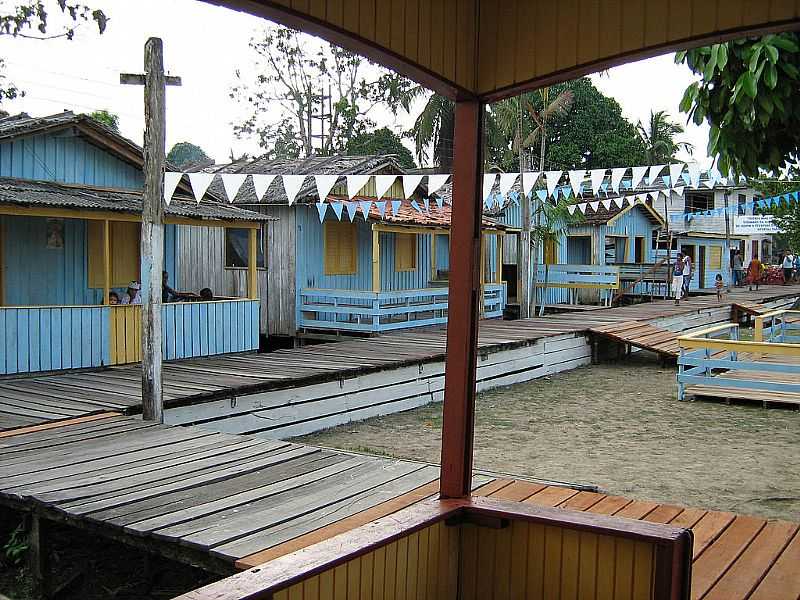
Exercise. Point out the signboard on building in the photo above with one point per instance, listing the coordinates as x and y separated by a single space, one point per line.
754 225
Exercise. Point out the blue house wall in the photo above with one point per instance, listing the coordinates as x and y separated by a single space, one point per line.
710 271
37 275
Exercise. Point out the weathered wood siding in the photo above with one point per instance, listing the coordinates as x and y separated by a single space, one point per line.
281 270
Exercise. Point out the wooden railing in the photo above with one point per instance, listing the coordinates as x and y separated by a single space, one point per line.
651 279
577 277
777 326
54 338
717 357
478 548
373 312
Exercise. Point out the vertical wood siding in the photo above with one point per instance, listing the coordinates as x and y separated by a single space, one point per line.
66 158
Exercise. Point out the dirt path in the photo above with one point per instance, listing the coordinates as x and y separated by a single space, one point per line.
618 427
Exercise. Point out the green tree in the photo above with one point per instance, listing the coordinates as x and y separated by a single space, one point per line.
381 141
106 118
434 128
184 154
749 93
312 97
659 138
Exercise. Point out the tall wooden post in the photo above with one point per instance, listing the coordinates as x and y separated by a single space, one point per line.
464 300
106 261
252 263
152 246
376 260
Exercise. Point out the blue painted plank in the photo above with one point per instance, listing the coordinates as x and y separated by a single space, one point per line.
11 340
178 331
219 328
45 339
106 334
186 321
171 338
3 336
96 336
203 328
75 337
194 322
23 347
164 344
86 337
255 310
237 343
226 326
34 317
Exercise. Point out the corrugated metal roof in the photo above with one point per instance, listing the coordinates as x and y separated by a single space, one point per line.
28 193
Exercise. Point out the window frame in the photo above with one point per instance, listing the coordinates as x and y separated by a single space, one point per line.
690 207
95 272
262 236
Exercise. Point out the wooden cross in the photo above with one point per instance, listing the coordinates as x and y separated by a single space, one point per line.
152 246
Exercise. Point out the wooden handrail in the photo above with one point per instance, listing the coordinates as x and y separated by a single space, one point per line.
650 271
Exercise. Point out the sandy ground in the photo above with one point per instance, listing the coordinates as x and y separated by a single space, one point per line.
619 427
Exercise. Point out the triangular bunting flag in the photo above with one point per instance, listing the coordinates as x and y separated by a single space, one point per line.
617 201
507 181
292 185
383 183
636 176
396 206
381 206
582 207
415 206
679 190
171 181
439 201
594 205
616 178
606 204
321 209
352 209
528 181
488 184
200 183
711 181
337 209
435 182
694 174
355 183
541 195
325 184
675 171
576 180
571 209
410 183
365 206
655 171
551 178
514 196
427 203
232 182
261 184
597 176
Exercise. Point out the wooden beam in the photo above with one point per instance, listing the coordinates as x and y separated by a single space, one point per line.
464 299
434 271
252 260
106 261
376 259
498 276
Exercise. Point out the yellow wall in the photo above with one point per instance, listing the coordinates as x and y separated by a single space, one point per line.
125 334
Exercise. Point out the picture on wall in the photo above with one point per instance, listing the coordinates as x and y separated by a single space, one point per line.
55 234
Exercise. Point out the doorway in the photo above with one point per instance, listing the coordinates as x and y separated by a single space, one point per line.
701 267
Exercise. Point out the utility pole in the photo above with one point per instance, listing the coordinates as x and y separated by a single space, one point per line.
727 235
152 245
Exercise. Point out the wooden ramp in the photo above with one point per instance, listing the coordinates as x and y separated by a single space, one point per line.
750 308
641 335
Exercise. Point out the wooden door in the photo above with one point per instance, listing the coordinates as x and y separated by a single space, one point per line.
753 249
701 267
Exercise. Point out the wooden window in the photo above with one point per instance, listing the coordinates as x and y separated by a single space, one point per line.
715 258
124 250
340 248
237 248
405 251
550 252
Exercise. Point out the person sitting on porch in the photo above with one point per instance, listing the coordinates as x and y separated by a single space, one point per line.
167 293
206 294
132 296
113 298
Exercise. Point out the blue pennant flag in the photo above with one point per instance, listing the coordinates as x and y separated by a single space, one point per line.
415 206
796 195
427 203
321 208
666 179
542 195
514 197
439 202
381 206
567 192
365 206
352 208
337 208
396 206
687 180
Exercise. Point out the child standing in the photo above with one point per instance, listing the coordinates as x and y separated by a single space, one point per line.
718 283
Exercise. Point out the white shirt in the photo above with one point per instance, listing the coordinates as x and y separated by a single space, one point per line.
126 299
687 266
788 261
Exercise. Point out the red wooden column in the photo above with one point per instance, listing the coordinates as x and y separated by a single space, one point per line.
464 301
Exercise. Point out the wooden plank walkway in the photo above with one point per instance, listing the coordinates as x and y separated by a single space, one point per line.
641 335
30 400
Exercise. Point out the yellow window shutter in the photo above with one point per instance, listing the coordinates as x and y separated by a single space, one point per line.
94 234
715 258
124 253
340 248
405 251
550 252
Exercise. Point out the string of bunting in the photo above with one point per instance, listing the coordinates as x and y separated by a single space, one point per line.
498 188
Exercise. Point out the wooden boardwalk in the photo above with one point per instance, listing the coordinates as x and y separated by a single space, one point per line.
229 502
31 400
641 335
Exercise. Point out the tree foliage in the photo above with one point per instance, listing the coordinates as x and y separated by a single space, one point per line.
108 119
749 94
184 154
381 141
659 138
434 128
303 83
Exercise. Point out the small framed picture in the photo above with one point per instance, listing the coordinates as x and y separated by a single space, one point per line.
55 234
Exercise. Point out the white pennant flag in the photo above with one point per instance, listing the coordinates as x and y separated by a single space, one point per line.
528 181
383 183
576 180
292 185
713 175
200 183
488 184
617 201
582 207
597 176
355 183
551 178
606 204
171 181
594 205
675 171
636 176
410 183
325 184
694 174
435 182
679 190
571 209
261 184
655 171
616 178
507 181
232 182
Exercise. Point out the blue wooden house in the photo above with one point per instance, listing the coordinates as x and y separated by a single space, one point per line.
350 271
70 212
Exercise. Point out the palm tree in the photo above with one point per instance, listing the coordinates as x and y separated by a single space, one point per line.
434 127
659 138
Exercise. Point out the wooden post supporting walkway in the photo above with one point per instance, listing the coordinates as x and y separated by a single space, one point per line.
463 302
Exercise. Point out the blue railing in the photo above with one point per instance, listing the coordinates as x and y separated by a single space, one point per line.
717 357
373 312
604 278
778 326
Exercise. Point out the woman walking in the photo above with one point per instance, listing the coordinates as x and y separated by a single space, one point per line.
754 272
677 278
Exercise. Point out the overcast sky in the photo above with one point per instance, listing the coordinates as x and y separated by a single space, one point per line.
205 45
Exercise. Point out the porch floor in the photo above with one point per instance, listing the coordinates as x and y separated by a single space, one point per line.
230 502
37 399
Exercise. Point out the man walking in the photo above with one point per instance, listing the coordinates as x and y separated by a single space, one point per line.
687 275
677 278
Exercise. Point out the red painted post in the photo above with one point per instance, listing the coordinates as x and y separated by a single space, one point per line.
464 299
